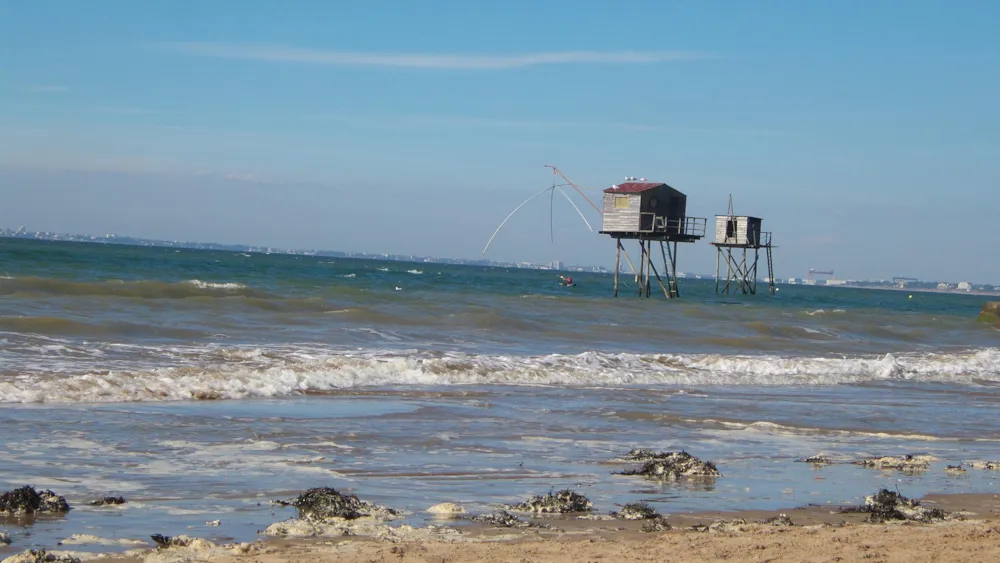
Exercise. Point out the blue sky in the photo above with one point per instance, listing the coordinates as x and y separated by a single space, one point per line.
866 134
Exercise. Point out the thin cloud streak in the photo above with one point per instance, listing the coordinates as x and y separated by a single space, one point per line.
48 89
464 121
284 54
404 121
124 110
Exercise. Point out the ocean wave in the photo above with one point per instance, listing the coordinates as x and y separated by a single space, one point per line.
58 326
142 289
232 373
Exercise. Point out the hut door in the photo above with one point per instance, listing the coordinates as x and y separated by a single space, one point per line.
731 228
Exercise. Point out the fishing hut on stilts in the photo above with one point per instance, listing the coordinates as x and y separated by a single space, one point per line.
649 212
738 242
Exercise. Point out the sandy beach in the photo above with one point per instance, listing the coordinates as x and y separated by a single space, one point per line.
971 532
965 541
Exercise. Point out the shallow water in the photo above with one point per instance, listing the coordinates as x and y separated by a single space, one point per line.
204 400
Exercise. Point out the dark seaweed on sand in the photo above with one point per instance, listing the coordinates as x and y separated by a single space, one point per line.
887 506
324 502
42 556
108 501
502 519
26 500
636 511
669 465
564 501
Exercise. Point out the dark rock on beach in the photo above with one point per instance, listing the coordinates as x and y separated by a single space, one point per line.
323 503
669 465
27 500
107 501
565 501
888 506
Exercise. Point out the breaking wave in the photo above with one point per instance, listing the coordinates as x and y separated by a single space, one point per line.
231 373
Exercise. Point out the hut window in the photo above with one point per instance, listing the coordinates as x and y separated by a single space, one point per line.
621 202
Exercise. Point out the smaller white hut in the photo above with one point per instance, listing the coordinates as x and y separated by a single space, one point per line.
737 230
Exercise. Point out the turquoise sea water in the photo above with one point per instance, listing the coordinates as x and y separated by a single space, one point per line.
202 384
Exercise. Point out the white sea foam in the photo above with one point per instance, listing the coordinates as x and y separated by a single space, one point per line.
231 373
215 285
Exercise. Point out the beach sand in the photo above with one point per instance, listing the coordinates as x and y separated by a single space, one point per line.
819 533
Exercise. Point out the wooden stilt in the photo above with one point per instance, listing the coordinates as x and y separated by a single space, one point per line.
649 262
666 292
718 256
618 261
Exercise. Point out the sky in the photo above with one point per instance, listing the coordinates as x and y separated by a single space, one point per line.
866 134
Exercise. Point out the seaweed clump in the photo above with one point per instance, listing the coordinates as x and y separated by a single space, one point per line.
324 503
988 465
669 465
656 524
888 506
740 524
901 463
636 511
164 542
779 520
27 500
502 519
818 459
108 501
41 556
652 520
563 502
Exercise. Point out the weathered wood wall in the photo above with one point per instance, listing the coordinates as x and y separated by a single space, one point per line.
621 219
747 230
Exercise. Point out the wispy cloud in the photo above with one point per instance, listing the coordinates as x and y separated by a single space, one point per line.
48 88
417 121
285 54
125 110
479 122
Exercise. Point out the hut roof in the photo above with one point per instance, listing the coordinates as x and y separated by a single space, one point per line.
633 187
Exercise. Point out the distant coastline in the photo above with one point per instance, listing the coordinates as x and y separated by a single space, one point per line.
22 233
985 293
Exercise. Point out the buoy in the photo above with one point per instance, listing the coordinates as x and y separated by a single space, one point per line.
910 297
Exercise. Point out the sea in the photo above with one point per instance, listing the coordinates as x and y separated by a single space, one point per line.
203 385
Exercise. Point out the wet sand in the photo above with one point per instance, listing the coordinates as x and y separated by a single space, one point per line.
819 533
